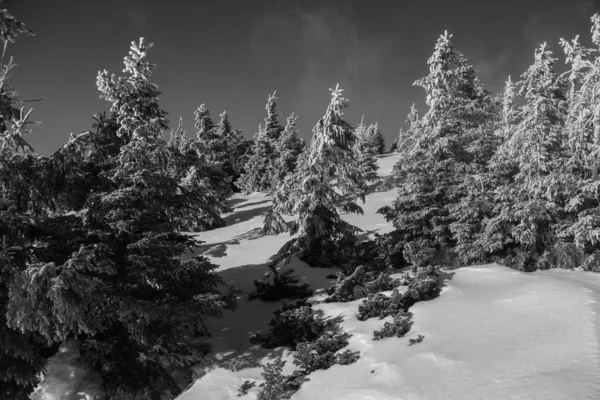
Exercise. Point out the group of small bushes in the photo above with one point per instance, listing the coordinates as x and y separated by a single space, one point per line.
421 287
360 283
316 341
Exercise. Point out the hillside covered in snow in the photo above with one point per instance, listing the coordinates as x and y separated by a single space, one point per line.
494 333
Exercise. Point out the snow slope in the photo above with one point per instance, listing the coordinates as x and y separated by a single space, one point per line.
494 333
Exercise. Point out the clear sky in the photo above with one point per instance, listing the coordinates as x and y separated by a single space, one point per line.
230 54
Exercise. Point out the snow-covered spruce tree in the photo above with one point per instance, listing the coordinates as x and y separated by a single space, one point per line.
218 144
407 139
21 214
581 228
231 139
260 168
365 149
375 135
531 190
241 155
122 289
327 179
187 163
441 159
288 149
21 354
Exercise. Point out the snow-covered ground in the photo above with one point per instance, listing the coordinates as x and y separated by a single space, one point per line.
494 333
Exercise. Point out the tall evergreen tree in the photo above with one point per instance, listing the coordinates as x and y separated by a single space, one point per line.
327 179
230 139
407 139
530 193
288 148
261 165
21 353
376 137
434 170
582 133
365 149
118 285
189 164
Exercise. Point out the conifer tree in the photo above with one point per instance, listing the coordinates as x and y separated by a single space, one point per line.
118 283
582 133
231 139
209 180
21 353
327 179
208 142
365 149
261 165
407 139
434 170
530 192
288 148
376 137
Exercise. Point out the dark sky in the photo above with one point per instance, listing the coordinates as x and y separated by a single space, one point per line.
230 54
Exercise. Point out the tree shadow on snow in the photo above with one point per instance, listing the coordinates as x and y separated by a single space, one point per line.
252 234
218 250
245 215
364 236
254 203
233 202
445 277
230 335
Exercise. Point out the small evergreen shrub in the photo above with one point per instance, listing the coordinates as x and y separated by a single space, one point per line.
382 283
381 306
275 382
282 286
421 290
419 339
399 327
292 324
360 284
348 288
243 390
347 357
320 354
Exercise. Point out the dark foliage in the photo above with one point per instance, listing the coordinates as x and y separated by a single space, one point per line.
293 323
320 354
399 327
282 286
